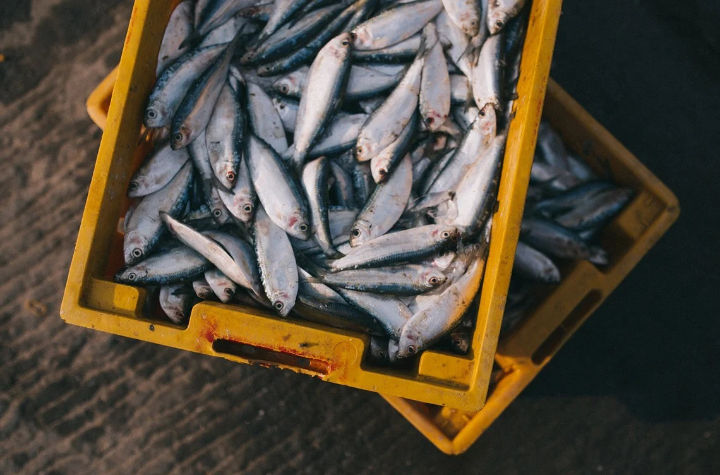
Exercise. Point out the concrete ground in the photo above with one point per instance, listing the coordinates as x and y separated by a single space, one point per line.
636 390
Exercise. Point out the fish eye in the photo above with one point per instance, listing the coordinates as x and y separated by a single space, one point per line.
137 253
230 176
412 349
217 213
345 42
278 305
499 23
247 208
445 234
281 105
131 276
229 291
151 114
284 88
178 137
133 185
356 232
359 150
434 280
303 227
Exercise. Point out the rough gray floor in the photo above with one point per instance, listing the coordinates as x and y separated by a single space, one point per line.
635 391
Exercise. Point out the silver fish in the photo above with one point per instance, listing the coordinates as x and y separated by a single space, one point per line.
277 190
408 279
485 77
223 288
202 289
401 52
433 321
223 134
342 191
208 248
500 12
241 199
362 83
535 265
435 82
166 267
315 182
194 112
282 11
475 144
213 13
277 263
394 24
554 240
340 220
475 193
175 302
396 247
177 31
199 154
388 121
144 227
602 207
455 41
382 164
264 118
244 258
157 171
326 82
170 88
385 205
287 109
340 135
391 312
466 14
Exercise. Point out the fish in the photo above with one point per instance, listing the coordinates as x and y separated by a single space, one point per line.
386 123
144 228
277 189
432 322
276 260
391 312
243 257
174 82
202 289
466 14
223 288
401 52
382 164
485 77
385 206
397 247
177 31
315 181
394 25
175 302
241 200
171 266
407 279
535 265
435 82
322 94
500 12
201 161
223 134
157 171
592 212
265 121
363 83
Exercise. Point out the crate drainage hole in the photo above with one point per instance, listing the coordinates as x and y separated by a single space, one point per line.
553 342
270 357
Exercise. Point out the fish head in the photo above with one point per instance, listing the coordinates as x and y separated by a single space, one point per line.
282 303
410 343
155 116
135 186
287 85
364 149
134 247
380 168
500 12
432 278
362 37
340 45
447 233
180 138
298 225
360 232
245 206
132 275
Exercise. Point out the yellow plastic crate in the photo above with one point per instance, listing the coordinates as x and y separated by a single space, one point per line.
530 346
249 335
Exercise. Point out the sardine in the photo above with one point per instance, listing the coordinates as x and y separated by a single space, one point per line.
144 227
315 181
223 135
385 205
391 312
395 24
175 302
535 265
277 190
157 171
223 288
177 31
383 164
435 82
408 279
264 118
167 267
500 12
321 97
277 263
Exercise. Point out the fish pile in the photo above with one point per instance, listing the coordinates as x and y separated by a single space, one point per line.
337 161
566 207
